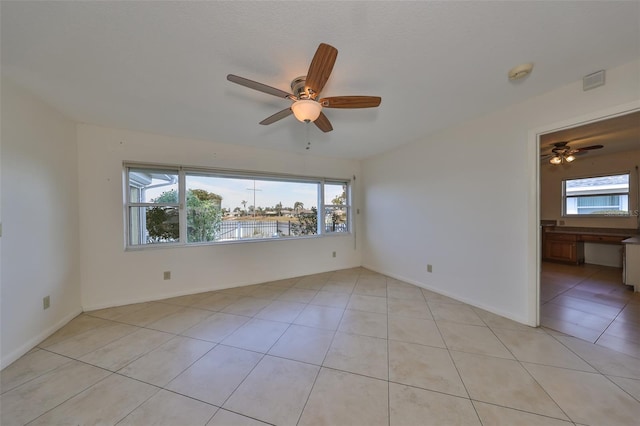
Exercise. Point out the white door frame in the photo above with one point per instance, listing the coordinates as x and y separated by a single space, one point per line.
534 235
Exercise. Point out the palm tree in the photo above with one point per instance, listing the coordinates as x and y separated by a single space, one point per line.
297 206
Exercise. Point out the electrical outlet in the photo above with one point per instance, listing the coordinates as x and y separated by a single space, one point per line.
46 302
167 275
429 268
334 254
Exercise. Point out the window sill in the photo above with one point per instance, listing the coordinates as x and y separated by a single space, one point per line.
233 242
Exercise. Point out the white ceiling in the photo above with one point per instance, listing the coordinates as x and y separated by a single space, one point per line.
161 66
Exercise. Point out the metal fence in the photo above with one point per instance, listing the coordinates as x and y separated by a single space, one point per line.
231 230
237 230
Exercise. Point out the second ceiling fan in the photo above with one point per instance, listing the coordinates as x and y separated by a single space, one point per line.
562 153
307 106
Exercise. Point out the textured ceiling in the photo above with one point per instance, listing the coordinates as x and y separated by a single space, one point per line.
161 66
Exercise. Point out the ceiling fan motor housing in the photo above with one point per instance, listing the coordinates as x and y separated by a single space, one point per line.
298 87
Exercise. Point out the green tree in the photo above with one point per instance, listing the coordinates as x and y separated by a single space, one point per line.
342 198
338 215
307 223
278 209
204 217
297 206
162 221
203 195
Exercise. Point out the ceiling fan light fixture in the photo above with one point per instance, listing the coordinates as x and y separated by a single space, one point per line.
306 110
556 160
569 158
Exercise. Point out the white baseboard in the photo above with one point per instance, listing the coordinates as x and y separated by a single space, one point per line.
452 296
123 302
156 297
31 343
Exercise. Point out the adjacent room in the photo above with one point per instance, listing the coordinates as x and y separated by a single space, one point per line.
588 184
319 213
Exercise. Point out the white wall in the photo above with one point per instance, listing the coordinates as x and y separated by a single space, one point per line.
112 276
464 201
40 243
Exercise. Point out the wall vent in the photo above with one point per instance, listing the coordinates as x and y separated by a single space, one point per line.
593 80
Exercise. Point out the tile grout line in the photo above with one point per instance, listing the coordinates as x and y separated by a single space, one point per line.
591 276
531 375
313 385
388 356
257 363
451 357
321 366
596 369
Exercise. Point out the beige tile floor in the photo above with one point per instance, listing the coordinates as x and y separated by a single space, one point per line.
590 302
349 347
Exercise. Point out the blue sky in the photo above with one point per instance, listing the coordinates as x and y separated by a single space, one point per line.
268 193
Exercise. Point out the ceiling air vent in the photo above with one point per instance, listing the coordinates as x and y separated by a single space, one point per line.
593 80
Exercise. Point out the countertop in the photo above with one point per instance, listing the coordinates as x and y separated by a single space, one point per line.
609 232
632 240
604 233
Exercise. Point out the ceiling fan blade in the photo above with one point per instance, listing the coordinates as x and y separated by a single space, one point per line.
277 116
320 68
323 123
587 148
258 86
351 101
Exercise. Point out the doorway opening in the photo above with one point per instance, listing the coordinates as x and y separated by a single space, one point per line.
580 283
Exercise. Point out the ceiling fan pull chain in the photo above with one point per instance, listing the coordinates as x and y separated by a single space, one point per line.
308 123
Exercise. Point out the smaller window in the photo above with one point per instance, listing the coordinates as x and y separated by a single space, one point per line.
597 196
153 212
336 207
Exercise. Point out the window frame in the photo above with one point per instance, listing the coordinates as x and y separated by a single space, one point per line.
184 171
346 207
609 214
140 204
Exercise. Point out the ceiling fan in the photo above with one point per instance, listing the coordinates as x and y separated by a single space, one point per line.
562 153
306 105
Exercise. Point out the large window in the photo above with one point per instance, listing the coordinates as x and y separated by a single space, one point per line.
597 196
177 206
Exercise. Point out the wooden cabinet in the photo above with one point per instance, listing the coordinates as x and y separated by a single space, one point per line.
563 248
568 245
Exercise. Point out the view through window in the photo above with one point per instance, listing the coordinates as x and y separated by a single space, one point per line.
598 195
179 206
